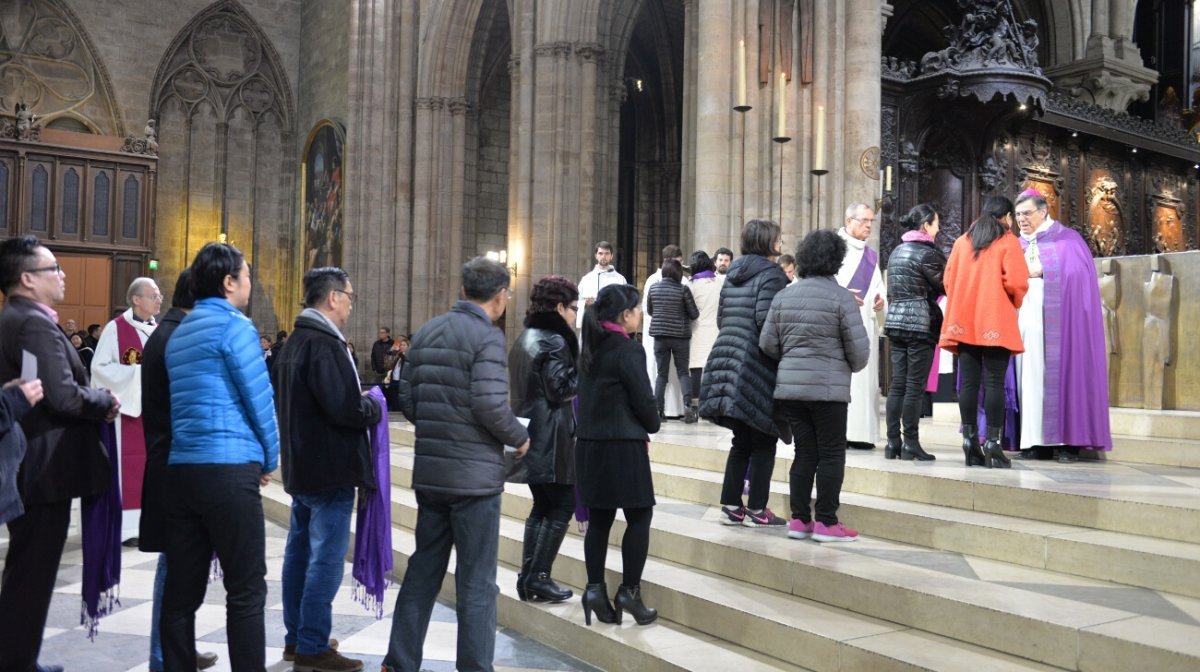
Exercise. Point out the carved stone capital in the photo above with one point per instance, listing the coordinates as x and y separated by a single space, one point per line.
589 52
618 90
561 50
433 103
1105 80
457 106
544 49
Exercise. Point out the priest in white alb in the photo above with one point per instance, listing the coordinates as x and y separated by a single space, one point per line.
117 366
860 274
601 276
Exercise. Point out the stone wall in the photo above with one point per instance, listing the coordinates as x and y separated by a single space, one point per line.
324 64
491 168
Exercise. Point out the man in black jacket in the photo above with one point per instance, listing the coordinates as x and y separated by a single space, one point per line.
64 458
455 390
325 454
379 351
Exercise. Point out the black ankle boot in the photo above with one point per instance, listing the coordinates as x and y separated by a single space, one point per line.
629 598
912 450
891 451
970 445
595 598
993 454
692 413
532 526
539 585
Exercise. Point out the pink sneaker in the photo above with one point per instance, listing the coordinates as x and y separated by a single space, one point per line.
798 529
838 532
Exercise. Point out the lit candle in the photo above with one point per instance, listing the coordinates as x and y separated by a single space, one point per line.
781 107
819 140
887 182
741 74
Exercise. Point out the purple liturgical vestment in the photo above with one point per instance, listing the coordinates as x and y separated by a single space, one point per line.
1075 401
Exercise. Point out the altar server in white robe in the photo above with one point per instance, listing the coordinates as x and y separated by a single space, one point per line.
601 276
117 366
860 274
672 397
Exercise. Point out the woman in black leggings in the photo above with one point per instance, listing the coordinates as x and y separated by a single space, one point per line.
986 279
617 413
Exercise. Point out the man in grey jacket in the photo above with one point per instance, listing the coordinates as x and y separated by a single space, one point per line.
455 390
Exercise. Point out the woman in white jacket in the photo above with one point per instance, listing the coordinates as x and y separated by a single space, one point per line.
706 290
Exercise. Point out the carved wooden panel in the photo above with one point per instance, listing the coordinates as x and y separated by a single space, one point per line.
6 173
101 205
70 205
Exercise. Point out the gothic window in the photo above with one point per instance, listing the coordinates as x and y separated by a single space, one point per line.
100 206
70 202
129 209
38 209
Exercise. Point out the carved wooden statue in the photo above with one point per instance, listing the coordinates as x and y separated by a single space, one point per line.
1156 333
1110 297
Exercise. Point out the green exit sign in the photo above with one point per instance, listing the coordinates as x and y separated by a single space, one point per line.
154 264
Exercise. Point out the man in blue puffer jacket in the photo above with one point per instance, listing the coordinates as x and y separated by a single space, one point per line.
225 444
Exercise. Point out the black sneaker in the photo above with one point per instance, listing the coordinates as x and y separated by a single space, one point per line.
733 515
764 518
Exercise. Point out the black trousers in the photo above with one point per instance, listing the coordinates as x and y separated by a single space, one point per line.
990 364
555 501
215 507
911 359
664 350
635 545
697 374
35 547
756 450
819 429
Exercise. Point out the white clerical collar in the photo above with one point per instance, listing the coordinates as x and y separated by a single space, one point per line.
603 269
1041 229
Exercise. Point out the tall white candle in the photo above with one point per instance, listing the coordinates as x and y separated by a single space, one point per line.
887 185
781 107
819 140
741 74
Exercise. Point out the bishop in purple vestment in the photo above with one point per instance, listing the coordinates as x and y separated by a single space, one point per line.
1062 381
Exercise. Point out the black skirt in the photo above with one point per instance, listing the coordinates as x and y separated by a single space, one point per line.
613 474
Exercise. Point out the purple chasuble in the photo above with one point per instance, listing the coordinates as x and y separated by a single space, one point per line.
1076 396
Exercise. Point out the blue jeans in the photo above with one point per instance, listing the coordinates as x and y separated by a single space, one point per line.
313 566
160 580
472 526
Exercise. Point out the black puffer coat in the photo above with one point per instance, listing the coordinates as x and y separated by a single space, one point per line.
914 283
673 308
543 379
739 380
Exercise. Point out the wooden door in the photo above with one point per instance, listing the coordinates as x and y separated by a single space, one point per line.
89 288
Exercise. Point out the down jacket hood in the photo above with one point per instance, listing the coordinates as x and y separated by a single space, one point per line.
744 268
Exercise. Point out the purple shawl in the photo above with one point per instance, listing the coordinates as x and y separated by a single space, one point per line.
373 531
101 523
1076 395
861 280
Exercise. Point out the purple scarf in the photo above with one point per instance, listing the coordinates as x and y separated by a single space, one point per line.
373 532
101 523
704 274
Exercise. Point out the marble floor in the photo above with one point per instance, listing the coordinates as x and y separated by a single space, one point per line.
123 642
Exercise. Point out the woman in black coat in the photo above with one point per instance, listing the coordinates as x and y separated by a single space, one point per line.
543 378
738 387
913 323
616 416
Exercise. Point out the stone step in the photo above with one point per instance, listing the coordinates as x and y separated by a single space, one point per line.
1039 627
1134 422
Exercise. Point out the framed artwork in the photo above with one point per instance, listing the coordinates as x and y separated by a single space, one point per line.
321 191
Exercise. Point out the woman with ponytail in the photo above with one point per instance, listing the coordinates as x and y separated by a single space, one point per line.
915 271
617 413
986 279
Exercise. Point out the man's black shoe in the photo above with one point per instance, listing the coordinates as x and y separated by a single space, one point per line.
131 542
860 445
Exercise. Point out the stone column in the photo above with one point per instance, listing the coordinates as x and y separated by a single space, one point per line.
714 218
1111 73
860 112
590 57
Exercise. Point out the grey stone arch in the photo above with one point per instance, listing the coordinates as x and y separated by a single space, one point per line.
46 50
227 155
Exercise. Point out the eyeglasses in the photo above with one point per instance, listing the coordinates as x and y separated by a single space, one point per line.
349 295
863 220
1025 214
152 297
574 307
56 268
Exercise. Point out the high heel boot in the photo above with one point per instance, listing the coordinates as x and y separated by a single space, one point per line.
595 598
993 454
972 453
629 598
539 585
891 451
532 526
912 450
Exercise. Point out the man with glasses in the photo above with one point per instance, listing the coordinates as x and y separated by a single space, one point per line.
323 447
860 274
1062 377
64 458
117 365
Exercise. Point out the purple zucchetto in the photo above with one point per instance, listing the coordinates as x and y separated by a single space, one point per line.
1032 192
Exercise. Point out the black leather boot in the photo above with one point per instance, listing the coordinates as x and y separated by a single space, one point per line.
891 451
595 598
629 598
970 445
692 414
912 450
993 454
532 526
539 585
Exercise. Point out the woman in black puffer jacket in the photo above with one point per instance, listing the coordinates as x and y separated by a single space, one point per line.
738 386
543 379
913 323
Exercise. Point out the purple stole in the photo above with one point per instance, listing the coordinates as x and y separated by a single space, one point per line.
133 437
861 280
100 520
373 531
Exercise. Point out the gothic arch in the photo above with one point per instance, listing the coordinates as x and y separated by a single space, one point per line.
54 66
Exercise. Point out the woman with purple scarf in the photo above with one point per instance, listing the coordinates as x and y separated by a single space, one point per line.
915 271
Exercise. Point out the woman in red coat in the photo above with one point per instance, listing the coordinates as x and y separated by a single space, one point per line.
986 279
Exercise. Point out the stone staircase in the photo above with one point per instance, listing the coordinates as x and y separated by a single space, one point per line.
1092 566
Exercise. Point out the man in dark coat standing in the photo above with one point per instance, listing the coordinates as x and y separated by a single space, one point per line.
379 351
325 454
64 458
455 390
